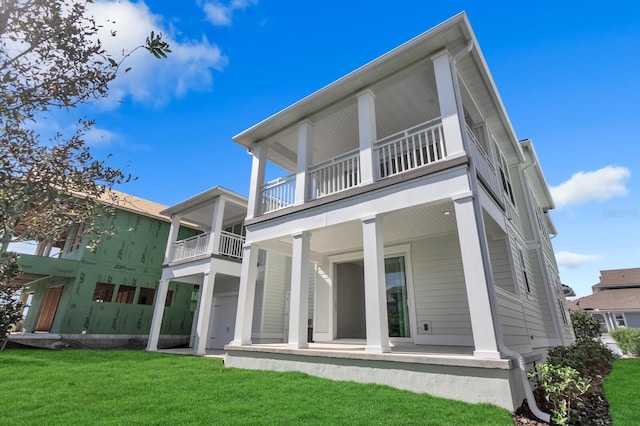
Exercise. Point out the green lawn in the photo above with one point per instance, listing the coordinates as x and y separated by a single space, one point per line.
135 387
622 389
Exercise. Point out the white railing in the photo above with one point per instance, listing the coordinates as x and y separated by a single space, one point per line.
190 247
483 163
278 194
231 244
411 148
335 175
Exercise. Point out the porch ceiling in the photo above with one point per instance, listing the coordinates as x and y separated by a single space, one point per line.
198 210
398 227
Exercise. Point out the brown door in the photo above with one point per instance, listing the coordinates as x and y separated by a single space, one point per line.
48 309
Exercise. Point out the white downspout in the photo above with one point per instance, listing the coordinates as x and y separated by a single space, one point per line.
531 401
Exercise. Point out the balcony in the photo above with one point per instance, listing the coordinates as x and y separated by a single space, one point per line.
401 152
484 166
230 246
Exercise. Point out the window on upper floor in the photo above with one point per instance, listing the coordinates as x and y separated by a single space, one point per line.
126 294
75 237
563 312
505 178
236 228
620 320
525 274
103 292
169 300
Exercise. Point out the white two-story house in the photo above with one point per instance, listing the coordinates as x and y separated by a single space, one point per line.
424 220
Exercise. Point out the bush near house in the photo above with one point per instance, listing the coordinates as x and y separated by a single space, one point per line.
570 384
628 339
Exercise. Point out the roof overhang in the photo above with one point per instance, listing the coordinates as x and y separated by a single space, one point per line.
454 34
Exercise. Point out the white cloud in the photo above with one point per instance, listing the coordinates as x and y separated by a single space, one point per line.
598 185
573 260
97 137
221 14
151 81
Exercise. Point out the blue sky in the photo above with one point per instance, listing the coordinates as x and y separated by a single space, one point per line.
568 73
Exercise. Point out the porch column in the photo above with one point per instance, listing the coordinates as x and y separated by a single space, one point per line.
375 289
174 229
246 295
482 325
305 148
204 313
258 163
299 300
158 313
216 225
367 135
450 109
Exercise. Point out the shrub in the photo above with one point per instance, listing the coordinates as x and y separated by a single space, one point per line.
585 327
628 339
590 358
562 388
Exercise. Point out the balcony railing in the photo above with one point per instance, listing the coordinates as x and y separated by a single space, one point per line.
410 149
278 194
512 213
335 175
190 247
230 245
484 166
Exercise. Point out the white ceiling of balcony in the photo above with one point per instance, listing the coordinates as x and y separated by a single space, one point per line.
398 227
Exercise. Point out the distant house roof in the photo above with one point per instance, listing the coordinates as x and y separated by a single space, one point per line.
134 204
610 300
618 278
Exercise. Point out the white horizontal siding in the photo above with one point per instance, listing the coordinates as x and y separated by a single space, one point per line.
501 265
439 287
514 327
543 296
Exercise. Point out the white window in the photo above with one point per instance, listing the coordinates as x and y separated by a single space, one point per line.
523 266
505 178
620 321
563 312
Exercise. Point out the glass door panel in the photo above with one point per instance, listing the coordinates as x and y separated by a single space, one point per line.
397 307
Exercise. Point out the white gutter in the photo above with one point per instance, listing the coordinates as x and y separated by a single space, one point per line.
493 304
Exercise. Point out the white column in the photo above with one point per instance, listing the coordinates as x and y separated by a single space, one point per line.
367 135
258 164
305 149
246 295
216 225
452 118
299 300
204 313
375 288
158 313
484 333
174 229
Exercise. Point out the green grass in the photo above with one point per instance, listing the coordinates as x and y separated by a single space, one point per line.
622 389
135 387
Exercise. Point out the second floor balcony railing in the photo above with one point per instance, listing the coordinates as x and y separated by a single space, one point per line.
484 166
411 148
230 245
335 175
278 193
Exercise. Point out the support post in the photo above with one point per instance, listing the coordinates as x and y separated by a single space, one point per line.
158 313
216 226
258 163
367 135
482 324
299 300
204 313
305 149
174 229
375 291
246 295
452 116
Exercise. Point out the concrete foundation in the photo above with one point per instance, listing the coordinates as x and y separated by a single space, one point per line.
458 377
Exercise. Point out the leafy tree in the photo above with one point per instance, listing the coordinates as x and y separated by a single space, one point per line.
51 60
585 326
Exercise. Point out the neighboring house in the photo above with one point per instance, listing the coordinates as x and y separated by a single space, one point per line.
425 223
104 299
615 301
211 261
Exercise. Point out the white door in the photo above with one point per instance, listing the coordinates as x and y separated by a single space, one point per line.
223 321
